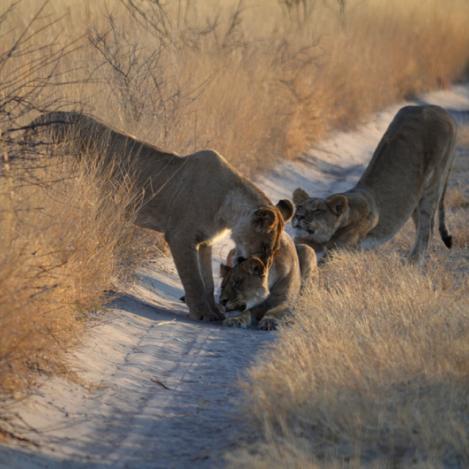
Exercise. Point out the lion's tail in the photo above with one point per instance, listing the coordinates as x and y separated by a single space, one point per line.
445 236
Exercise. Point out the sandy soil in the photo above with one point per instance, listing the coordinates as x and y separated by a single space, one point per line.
158 390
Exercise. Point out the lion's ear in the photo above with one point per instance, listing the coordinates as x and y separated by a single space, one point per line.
337 204
264 219
256 267
299 196
224 270
286 209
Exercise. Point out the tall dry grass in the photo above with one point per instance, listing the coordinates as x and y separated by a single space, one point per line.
258 80
65 231
65 238
373 371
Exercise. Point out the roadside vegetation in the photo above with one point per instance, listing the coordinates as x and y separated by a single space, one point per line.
65 237
257 80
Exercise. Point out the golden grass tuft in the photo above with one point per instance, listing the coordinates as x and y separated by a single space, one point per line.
373 370
456 198
66 235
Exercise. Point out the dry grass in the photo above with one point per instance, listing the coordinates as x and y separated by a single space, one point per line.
211 74
456 198
374 370
66 235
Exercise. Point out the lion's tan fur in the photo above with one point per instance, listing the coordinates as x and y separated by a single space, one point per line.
407 175
191 199
268 300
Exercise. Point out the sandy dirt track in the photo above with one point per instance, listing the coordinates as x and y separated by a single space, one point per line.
161 390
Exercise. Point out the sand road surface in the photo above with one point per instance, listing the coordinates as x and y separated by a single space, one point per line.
158 390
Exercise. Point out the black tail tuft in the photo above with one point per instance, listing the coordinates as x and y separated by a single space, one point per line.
448 240
445 236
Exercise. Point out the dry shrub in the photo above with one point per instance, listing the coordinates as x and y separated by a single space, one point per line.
256 80
66 234
258 93
65 225
373 370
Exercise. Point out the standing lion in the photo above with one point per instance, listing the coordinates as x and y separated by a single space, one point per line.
192 199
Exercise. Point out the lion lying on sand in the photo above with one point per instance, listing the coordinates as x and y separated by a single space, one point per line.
266 297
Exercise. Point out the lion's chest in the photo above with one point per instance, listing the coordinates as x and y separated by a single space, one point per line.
218 236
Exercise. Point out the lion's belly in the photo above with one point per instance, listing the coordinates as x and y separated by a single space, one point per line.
390 222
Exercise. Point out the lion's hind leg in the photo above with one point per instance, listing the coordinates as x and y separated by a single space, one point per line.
424 219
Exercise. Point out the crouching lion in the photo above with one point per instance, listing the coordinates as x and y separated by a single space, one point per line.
191 199
262 296
407 175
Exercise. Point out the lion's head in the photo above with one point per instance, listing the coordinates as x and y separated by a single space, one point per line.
245 285
318 219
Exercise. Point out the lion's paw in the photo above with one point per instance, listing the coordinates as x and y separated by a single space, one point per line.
213 315
238 321
268 324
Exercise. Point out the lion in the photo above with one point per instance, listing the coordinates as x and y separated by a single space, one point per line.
266 297
192 199
407 175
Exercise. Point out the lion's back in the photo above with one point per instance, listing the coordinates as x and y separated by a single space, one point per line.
414 142
413 154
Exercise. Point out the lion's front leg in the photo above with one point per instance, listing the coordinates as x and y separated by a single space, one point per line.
205 262
274 317
268 324
186 259
347 239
